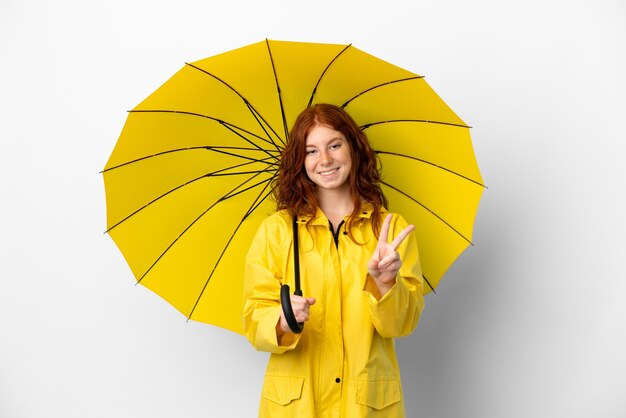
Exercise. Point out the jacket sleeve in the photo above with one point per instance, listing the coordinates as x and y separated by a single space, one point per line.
262 282
397 313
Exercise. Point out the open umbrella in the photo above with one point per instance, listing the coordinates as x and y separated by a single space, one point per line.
188 181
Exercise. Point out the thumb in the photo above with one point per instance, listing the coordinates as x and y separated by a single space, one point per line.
311 301
373 264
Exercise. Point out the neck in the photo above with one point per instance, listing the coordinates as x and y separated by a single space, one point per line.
336 204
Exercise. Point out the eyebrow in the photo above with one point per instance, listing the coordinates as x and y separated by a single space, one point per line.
337 138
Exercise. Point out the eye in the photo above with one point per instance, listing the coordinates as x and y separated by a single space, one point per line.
336 145
311 151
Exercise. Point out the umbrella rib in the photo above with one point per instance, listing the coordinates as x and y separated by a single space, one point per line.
432 164
257 116
193 223
319 80
246 102
252 209
212 174
231 194
429 210
258 200
254 160
225 124
429 285
459 125
388 83
247 140
208 148
280 96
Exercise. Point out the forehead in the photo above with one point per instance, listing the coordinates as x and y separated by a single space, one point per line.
323 134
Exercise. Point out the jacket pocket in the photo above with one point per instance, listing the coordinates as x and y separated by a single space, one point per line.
378 394
282 389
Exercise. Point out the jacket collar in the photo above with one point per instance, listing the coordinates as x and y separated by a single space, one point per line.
365 212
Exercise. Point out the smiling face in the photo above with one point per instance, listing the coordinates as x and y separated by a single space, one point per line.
328 161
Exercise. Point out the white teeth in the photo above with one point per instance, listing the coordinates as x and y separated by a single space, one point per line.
325 173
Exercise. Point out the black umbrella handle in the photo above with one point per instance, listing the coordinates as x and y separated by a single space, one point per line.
295 326
285 299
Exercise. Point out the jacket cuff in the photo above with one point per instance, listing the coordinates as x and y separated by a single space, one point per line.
398 290
267 340
395 314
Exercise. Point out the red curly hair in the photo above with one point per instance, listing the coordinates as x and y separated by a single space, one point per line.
295 192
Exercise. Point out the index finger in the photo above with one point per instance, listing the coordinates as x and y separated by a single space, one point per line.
384 230
401 236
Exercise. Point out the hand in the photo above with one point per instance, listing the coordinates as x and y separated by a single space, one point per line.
300 306
385 262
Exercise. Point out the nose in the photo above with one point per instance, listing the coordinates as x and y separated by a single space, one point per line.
325 158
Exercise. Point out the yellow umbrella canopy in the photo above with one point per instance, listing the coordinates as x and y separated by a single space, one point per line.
188 181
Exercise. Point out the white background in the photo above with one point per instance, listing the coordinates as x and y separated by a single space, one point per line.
530 322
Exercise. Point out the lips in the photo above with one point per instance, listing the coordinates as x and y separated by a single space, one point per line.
328 172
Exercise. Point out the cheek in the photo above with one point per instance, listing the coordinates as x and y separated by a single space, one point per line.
347 158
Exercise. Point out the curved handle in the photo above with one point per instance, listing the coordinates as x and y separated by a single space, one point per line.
295 326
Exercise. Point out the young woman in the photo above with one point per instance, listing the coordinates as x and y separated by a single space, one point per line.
360 272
